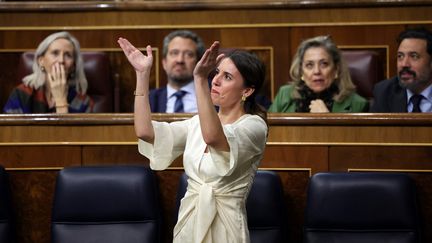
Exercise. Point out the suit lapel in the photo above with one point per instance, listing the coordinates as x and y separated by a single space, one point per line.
398 99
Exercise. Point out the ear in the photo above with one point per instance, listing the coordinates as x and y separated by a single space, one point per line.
164 63
40 61
248 91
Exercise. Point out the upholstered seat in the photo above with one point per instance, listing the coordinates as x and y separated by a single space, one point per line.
265 207
266 210
6 223
365 70
361 208
97 70
106 204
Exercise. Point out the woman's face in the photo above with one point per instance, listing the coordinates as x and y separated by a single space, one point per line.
318 69
227 85
59 51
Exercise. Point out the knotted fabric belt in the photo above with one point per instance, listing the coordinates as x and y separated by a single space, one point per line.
206 206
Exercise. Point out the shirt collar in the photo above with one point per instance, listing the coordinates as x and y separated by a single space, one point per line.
189 88
427 93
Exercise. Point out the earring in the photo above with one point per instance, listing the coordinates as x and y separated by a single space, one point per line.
243 98
336 76
302 78
42 68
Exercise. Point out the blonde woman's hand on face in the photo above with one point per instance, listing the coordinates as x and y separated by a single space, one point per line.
58 85
318 106
137 59
208 62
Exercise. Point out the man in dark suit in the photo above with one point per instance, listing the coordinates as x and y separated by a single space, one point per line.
411 89
182 49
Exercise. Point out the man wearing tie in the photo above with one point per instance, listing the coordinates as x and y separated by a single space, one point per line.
181 51
411 89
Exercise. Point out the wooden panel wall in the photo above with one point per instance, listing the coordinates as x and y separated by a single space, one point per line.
279 30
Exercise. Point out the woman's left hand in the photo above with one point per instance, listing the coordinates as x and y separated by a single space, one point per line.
208 62
58 86
318 106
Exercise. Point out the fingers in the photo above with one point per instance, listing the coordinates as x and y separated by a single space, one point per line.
211 55
215 47
126 46
318 105
214 50
149 51
57 75
62 74
220 57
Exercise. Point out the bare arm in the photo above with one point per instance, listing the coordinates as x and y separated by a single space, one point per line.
211 126
142 65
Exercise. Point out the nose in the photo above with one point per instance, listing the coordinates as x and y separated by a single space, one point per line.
180 57
61 58
404 62
316 69
216 80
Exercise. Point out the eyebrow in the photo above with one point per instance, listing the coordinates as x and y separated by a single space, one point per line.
409 52
227 73
320 60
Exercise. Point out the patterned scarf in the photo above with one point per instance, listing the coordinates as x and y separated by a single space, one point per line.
307 95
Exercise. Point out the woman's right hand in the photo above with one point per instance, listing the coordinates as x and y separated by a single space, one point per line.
139 61
142 64
58 85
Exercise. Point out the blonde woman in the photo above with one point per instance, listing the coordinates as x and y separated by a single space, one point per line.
321 81
57 84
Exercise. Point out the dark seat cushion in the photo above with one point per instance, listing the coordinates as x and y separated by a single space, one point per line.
106 204
361 207
266 209
7 233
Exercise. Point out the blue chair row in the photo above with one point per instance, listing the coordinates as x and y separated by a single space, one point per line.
120 204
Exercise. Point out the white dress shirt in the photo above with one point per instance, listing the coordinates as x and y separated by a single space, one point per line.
425 103
189 99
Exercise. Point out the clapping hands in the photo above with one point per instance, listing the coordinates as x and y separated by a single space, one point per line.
208 62
137 59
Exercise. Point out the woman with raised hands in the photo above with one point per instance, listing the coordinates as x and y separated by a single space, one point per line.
221 149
